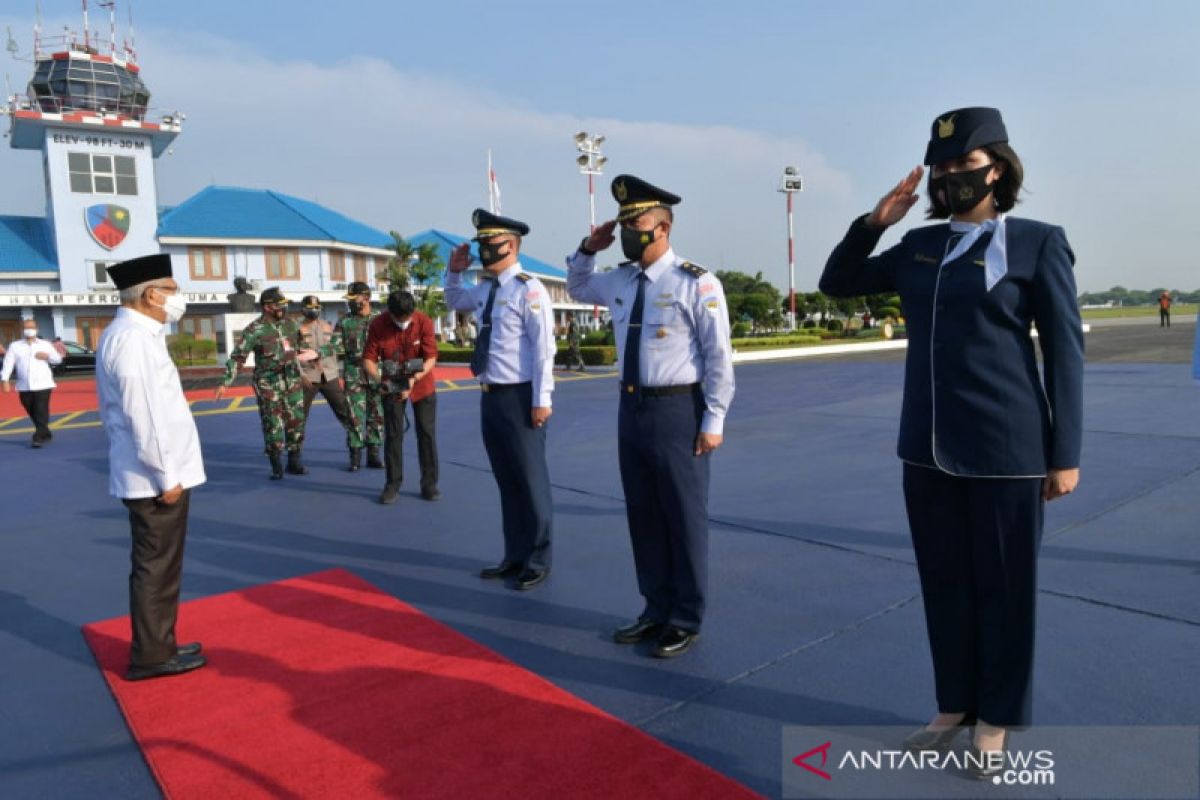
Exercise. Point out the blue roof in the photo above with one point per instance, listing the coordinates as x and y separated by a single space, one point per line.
227 212
448 241
27 245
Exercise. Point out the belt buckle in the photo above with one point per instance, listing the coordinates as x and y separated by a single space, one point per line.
630 388
484 387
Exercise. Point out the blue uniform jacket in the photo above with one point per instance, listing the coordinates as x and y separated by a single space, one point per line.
974 403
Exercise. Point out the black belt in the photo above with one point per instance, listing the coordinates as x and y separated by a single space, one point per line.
496 387
660 391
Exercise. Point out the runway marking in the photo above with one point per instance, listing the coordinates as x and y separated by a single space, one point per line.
235 406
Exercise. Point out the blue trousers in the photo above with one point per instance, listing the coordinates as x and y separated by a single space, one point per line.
517 453
666 500
977 542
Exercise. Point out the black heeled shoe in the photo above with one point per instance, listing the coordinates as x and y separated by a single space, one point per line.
983 765
939 741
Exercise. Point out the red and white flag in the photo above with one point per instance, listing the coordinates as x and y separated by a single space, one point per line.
493 188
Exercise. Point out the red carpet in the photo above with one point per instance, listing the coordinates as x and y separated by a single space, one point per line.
323 686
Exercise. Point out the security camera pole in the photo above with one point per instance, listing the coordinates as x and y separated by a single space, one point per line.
591 163
789 185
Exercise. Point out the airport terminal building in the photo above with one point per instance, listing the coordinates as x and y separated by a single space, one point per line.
86 113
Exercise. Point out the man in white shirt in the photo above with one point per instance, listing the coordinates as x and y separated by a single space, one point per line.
31 358
154 457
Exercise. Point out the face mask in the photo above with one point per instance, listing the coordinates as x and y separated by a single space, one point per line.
403 325
962 190
635 242
312 313
30 333
490 253
174 306
276 312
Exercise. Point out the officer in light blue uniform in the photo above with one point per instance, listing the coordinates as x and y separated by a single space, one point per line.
672 330
984 438
514 361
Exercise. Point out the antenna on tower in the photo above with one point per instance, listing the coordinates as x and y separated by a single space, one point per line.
37 29
11 46
87 41
111 5
131 48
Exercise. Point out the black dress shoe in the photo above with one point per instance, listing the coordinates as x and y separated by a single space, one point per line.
504 569
189 649
431 494
294 465
638 631
373 457
983 765
926 739
355 459
276 459
176 665
674 642
530 578
390 493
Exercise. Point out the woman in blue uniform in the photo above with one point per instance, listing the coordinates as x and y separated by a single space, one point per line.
985 439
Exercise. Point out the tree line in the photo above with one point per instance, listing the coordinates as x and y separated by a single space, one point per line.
1120 296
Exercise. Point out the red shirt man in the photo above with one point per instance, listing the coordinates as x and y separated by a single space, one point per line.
398 336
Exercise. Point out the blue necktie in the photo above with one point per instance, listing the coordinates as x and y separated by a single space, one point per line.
631 371
483 341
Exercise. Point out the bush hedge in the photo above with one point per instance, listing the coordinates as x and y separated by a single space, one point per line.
775 341
593 356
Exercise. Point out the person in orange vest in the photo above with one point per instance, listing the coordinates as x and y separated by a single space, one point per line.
1164 310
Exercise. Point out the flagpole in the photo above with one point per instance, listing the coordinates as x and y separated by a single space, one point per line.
491 191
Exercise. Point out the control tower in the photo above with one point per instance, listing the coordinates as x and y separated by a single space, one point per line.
87 110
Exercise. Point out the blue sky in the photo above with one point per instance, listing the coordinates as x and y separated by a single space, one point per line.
384 110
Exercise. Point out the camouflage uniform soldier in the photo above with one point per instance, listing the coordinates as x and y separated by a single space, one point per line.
363 397
275 342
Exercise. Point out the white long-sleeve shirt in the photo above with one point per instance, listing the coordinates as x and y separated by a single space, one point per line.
153 445
522 344
33 374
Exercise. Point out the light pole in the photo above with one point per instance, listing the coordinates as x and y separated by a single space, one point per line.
591 163
789 185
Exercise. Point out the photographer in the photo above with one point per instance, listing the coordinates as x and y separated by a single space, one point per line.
401 352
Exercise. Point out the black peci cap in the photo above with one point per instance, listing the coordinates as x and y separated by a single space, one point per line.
958 132
635 197
139 270
488 224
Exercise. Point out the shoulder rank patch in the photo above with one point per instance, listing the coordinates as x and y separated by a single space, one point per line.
524 277
695 270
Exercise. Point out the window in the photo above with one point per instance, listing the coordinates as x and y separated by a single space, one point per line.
207 263
198 327
337 266
100 278
283 264
360 267
88 330
92 173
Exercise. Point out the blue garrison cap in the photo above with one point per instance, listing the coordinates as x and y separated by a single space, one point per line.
488 224
958 132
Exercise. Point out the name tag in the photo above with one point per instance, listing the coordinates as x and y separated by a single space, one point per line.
924 259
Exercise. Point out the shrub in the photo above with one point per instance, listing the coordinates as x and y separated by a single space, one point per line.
808 324
740 330
450 354
834 325
775 341
185 347
593 356
886 312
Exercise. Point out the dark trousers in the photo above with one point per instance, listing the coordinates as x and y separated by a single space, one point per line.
425 420
666 501
158 535
1164 318
517 453
976 542
37 406
331 390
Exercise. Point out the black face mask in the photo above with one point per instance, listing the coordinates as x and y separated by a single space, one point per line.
359 306
963 190
312 313
490 253
635 242
276 312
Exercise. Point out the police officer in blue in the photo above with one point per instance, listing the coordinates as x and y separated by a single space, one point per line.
514 361
672 330
984 439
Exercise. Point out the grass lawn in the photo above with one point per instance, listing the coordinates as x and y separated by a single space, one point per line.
1180 309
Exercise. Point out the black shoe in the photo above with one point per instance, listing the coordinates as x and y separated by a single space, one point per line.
530 578
938 741
276 465
638 631
294 466
431 494
176 665
373 458
189 649
504 569
355 459
36 443
674 642
390 493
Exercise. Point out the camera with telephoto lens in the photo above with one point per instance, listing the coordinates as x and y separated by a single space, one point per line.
397 375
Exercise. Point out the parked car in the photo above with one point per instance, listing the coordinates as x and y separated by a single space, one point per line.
78 359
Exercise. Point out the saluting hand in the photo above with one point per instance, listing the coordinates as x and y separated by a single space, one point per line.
602 238
540 415
460 258
707 442
1059 482
892 207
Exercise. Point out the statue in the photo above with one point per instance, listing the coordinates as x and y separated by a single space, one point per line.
241 301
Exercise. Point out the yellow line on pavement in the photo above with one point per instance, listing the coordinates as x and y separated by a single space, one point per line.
62 421
10 421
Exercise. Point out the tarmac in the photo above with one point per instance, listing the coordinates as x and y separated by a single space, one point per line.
814 608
